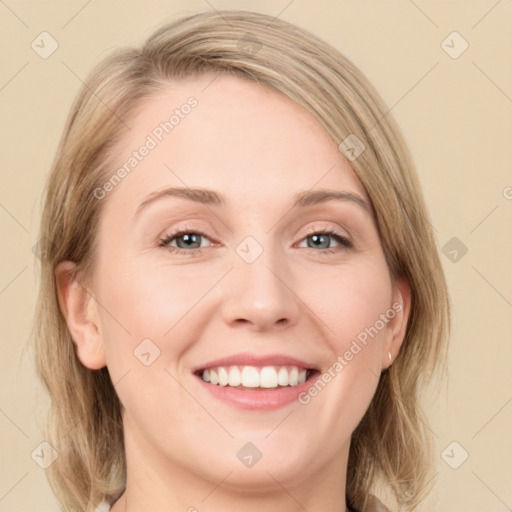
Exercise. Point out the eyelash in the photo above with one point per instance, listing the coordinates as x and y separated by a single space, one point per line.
163 242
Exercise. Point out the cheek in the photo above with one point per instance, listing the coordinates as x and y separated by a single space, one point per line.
153 318
351 303
351 300
153 301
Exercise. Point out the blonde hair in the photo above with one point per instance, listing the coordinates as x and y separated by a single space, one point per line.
391 446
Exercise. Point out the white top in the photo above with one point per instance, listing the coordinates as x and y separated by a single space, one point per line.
105 506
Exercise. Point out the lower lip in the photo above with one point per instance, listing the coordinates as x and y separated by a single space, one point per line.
258 399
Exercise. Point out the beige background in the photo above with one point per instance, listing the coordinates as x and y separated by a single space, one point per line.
457 116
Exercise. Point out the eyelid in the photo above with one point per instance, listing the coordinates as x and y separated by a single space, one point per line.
174 233
316 228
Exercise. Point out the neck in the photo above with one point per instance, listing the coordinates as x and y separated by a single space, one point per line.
161 485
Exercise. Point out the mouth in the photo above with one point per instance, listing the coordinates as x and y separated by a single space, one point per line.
254 378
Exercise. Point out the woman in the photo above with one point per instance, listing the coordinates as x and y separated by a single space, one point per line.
241 298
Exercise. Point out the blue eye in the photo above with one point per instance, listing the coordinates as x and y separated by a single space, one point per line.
188 242
321 238
190 239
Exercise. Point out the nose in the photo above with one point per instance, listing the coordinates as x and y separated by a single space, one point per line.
260 295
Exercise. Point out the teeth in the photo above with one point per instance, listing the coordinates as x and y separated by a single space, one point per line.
268 377
282 377
235 379
250 377
223 377
293 376
255 377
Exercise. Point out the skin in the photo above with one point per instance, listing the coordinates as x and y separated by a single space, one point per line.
258 149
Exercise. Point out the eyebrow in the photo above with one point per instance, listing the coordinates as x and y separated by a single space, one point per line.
210 197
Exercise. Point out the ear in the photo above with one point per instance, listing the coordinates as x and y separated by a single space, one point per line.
80 311
397 325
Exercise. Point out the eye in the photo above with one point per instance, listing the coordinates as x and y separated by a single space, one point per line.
187 241
320 239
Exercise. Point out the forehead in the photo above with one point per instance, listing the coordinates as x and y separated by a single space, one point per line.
243 139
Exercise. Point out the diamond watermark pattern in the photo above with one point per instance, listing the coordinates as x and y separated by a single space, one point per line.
249 249
454 249
42 249
454 45
44 455
146 352
454 455
249 455
351 147
249 44
44 45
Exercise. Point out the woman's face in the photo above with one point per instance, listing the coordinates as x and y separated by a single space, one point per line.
252 277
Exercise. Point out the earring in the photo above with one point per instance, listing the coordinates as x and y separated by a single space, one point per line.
390 357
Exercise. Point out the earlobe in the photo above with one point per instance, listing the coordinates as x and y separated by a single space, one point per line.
79 310
401 305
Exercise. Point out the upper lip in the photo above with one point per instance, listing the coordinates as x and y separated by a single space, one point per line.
248 359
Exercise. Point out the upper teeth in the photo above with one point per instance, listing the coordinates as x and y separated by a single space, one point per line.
254 377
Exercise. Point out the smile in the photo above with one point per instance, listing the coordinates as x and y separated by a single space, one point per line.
254 377
258 382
